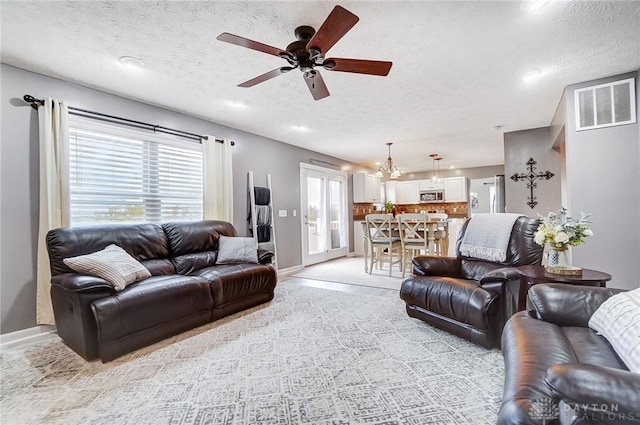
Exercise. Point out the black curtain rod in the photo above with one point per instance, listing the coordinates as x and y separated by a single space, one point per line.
124 121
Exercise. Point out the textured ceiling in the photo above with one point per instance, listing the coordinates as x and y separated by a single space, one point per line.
457 67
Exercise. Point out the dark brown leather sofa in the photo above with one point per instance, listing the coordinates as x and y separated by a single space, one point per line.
186 288
558 370
468 297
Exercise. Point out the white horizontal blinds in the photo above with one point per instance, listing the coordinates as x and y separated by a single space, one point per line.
115 177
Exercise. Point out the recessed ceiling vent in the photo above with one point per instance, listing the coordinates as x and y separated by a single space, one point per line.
606 105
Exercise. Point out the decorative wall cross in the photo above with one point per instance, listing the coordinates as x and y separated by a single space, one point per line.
531 175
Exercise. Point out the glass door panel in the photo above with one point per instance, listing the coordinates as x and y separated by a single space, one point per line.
315 215
337 221
324 214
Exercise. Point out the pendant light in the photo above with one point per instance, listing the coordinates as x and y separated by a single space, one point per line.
433 165
388 167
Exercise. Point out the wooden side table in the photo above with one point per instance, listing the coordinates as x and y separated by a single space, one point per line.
532 275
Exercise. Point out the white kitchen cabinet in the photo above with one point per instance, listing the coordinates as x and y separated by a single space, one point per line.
408 192
430 184
366 188
390 191
456 189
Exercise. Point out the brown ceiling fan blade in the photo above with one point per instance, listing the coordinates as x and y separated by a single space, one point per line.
250 44
266 76
337 24
316 85
359 66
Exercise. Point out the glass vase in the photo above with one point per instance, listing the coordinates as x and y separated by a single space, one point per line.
559 257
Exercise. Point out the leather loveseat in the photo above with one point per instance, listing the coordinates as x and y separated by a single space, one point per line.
468 297
186 288
558 370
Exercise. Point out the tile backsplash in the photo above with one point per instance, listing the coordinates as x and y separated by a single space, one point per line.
454 209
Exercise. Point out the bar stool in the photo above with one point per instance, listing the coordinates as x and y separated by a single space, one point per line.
413 235
441 234
380 235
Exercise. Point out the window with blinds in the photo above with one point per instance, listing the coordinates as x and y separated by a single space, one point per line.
124 175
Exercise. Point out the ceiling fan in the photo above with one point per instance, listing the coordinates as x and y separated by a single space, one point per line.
307 53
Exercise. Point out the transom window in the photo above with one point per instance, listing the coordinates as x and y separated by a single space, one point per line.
606 105
125 175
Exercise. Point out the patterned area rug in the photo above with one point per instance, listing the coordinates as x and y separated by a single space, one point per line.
311 356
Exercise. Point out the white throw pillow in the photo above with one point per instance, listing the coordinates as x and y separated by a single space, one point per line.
113 264
237 250
618 320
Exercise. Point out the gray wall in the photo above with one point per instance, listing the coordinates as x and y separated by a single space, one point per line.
19 178
482 188
603 178
519 146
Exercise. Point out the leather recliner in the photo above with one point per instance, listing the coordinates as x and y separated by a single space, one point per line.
468 297
558 370
187 288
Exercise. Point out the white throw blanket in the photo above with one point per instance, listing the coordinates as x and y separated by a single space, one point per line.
487 236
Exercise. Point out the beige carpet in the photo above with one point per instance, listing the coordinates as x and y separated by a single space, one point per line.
351 270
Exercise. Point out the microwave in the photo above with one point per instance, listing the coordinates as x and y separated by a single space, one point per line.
436 195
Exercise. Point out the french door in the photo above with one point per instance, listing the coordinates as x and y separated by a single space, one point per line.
323 204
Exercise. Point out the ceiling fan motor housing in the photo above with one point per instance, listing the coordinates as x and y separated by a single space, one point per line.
304 32
298 49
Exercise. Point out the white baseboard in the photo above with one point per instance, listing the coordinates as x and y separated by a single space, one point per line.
25 336
290 270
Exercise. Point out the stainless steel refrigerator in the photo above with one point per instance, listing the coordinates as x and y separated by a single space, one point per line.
499 198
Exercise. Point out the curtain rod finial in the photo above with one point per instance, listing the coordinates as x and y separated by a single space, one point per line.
33 101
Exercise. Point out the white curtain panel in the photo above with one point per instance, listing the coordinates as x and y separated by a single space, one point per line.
218 180
54 194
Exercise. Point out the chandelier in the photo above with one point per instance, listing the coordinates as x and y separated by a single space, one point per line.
388 167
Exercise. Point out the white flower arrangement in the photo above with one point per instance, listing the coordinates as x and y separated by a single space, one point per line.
559 229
